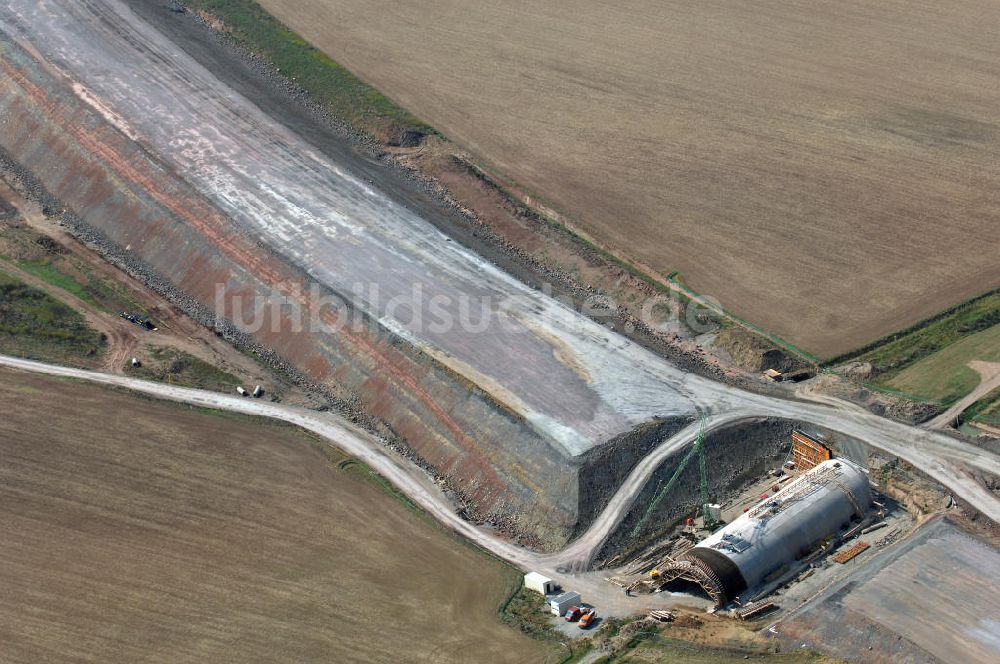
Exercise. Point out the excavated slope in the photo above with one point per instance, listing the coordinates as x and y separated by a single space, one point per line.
223 202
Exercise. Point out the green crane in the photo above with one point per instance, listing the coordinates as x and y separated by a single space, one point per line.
699 449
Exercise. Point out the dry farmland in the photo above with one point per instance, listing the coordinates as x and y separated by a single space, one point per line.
828 170
152 532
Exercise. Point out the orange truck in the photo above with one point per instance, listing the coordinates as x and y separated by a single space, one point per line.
587 618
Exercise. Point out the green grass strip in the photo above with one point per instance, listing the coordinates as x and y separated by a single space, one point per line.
331 84
899 393
929 335
48 273
985 410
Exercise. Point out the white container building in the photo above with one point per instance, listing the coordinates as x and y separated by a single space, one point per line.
538 583
563 603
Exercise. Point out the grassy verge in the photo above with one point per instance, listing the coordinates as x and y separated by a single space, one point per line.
526 611
894 352
652 647
776 341
47 272
945 376
337 89
368 474
986 410
37 326
928 361
693 639
169 365
47 260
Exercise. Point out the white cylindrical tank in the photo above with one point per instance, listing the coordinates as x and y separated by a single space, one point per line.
781 529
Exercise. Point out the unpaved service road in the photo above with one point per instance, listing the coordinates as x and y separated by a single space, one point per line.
569 377
990 372
827 170
942 458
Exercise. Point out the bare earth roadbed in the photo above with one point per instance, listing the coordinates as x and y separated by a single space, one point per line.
828 171
158 533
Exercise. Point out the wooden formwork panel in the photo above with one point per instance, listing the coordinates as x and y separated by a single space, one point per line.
850 554
807 452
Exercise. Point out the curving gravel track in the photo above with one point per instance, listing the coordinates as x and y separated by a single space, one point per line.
569 377
939 456
990 373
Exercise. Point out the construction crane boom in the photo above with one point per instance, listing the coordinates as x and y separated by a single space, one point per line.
698 449
700 444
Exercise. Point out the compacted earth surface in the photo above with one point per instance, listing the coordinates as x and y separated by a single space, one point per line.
928 599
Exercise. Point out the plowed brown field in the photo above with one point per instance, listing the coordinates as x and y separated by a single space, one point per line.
828 170
146 531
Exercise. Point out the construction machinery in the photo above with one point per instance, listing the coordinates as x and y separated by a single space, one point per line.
141 321
709 515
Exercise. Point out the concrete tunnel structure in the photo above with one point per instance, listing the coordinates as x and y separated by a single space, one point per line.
766 541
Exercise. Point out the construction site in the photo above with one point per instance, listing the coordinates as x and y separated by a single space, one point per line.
738 552
202 228
821 512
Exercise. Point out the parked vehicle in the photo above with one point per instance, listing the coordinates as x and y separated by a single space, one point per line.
588 618
573 614
141 321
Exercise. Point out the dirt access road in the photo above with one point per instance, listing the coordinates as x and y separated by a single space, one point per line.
567 377
573 380
939 456
122 336
827 170
119 290
990 372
